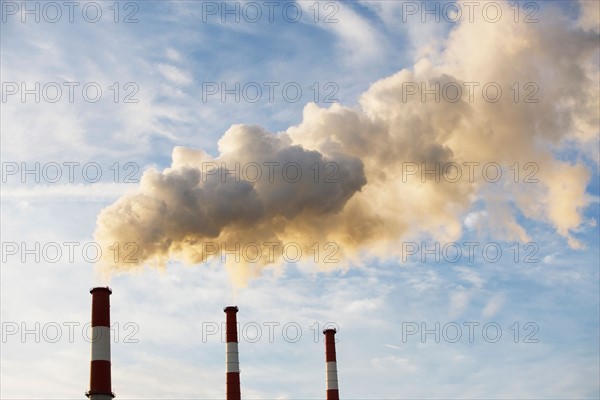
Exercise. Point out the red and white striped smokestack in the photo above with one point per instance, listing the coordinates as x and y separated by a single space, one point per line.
232 362
331 365
100 380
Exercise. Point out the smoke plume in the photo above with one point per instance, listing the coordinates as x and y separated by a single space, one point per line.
345 175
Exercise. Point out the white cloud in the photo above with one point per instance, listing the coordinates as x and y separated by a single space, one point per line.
459 300
493 306
175 75
469 275
473 220
397 364
360 43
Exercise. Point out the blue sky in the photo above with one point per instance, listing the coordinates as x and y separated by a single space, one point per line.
170 56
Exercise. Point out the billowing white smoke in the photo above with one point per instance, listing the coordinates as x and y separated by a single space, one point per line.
371 200
249 194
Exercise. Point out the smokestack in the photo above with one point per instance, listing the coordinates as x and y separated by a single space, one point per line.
100 380
331 365
232 362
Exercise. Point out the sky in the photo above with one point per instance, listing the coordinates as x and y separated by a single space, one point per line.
424 177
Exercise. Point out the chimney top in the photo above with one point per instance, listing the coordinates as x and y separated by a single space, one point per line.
101 289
